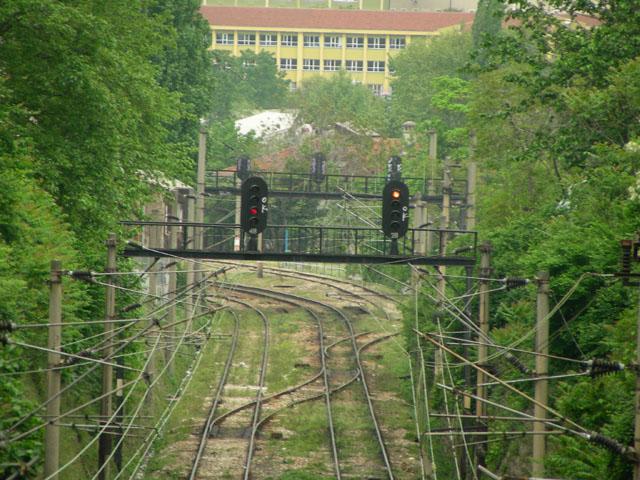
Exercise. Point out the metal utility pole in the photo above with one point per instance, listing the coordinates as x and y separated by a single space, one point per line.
104 445
200 188
483 323
52 430
542 370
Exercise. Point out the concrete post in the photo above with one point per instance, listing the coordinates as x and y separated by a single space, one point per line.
636 437
431 189
104 446
171 312
200 190
483 321
542 370
191 216
470 222
52 430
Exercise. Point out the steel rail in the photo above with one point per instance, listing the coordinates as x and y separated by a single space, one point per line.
324 372
322 279
261 380
206 429
345 319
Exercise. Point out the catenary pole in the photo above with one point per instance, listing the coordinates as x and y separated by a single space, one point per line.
483 323
542 370
171 317
636 436
191 216
104 444
200 188
431 190
52 430
470 224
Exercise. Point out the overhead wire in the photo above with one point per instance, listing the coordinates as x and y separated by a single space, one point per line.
508 386
148 442
433 469
74 382
143 399
121 406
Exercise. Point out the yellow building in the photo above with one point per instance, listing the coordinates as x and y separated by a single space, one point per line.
307 42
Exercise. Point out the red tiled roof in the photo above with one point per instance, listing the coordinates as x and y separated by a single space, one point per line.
356 20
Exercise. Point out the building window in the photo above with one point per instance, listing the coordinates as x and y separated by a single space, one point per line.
375 66
376 88
289 40
293 86
310 64
268 39
397 42
246 39
248 63
332 41
376 43
355 42
354 65
224 38
332 65
312 40
288 64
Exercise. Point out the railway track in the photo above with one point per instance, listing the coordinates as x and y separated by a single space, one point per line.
257 422
327 281
352 338
206 430
323 373
212 420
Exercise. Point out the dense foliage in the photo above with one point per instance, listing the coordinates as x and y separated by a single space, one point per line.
553 102
96 98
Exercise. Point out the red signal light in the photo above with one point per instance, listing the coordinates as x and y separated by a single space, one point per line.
253 211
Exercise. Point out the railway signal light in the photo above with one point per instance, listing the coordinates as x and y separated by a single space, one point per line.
395 209
243 166
254 205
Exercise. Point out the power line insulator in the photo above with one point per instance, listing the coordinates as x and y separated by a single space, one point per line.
609 443
599 367
85 276
516 362
6 327
514 282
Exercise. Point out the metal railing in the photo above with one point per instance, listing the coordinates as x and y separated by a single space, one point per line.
319 241
329 185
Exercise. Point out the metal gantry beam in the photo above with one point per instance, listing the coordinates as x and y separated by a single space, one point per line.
282 184
302 243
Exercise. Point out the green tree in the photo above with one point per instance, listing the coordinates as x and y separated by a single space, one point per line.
247 82
417 67
487 23
185 64
323 101
97 116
